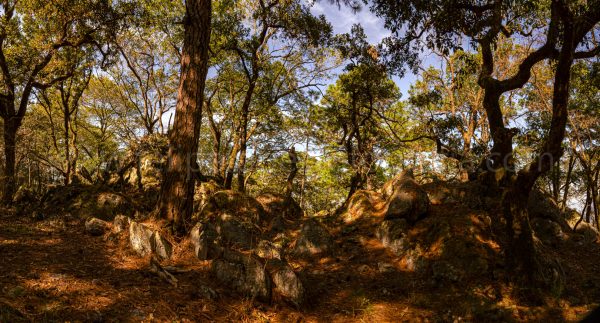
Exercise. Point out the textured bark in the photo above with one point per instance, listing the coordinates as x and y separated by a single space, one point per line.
177 191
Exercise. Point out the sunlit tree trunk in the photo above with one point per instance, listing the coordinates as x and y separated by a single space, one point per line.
177 191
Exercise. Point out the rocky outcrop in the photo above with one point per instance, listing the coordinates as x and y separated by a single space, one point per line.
151 153
95 227
277 205
406 199
204 238
364 205
587 232
232 202
140 238
246 274
287 283
549 232
234 232
24 195
254 276
145 241
269 250
161 246
543 206
204 191
121 223
313 239
392 234
85 201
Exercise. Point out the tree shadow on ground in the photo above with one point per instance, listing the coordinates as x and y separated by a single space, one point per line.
52 271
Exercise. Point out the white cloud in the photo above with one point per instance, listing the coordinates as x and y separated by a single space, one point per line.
342 18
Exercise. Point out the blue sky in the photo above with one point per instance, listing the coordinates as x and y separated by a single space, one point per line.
342 19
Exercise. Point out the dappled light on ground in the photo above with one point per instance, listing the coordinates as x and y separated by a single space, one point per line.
446 268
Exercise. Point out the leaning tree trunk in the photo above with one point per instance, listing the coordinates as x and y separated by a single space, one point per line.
177 191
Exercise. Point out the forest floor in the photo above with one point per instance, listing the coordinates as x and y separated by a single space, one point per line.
50 270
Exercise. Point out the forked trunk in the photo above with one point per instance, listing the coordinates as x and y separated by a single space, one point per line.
521 255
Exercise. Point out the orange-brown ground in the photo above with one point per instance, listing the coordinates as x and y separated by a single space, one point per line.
51 271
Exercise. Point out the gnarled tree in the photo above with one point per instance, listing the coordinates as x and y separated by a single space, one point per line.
443 25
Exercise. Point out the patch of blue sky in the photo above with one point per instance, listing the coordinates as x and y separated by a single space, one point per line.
343 18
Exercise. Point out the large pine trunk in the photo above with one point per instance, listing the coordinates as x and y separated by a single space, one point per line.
177 192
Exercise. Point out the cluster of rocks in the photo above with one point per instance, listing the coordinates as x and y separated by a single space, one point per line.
441 247
83 201
246 241
251 244
149 158
143 239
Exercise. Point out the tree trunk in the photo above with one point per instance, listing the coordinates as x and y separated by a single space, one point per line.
10 134
74 137
555 180
584 210
66 117
568 182
588 204
304 169
289 188
177 191
521 256
231 163
241 178
244 133
355 184
216 150
596 200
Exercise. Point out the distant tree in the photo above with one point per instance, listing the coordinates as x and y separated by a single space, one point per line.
448 104
64 99
354 112
273 41
584 133
30 56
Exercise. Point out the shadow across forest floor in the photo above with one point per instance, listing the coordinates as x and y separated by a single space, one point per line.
52 271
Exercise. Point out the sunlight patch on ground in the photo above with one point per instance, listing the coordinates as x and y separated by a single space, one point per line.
89 295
